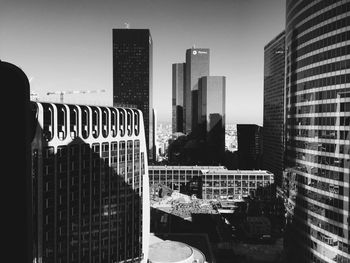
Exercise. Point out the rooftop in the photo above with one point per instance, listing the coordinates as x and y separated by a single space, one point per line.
170 251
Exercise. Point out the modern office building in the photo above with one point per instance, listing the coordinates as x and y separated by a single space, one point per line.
249 140
211 116
318 129
90 184
197 65
273 119
132 75
213 182
178 88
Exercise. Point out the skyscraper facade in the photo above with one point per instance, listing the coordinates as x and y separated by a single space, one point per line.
132 75
273 120
211 116
90 184
178 88
318 134
249 140
197 65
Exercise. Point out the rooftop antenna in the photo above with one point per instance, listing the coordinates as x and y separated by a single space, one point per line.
193 46
127 25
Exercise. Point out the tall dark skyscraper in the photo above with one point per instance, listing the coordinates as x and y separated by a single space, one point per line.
178 88
197 65
132 75
318 130
249 146
273 126
211 116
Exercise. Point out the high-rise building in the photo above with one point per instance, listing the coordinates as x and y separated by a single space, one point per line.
90 184
132 75
211 116
178 88
273 125
317 134
249 140
197 65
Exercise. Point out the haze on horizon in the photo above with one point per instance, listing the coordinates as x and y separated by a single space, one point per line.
67 45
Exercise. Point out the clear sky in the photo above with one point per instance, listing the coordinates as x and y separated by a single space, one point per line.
67 45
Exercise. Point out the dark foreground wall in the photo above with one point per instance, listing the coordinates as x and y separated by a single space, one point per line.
15 172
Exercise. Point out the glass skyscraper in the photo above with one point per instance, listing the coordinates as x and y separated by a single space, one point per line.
211 116
318 130
90 184
132 75
178 88
273 126
197 65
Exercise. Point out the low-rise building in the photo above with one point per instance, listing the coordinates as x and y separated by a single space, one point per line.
213 182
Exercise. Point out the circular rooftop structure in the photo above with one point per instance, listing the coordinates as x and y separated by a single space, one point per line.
170 252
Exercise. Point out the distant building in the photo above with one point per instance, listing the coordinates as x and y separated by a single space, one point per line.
211 116
249 146
274 113
178 88
197 65
90 184
133 75
213 182
155 136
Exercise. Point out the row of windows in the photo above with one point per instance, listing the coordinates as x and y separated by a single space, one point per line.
322 211
324 173
322 134
324 42
325 225
325 186
329 67
86 150
306 13
320 146
182 172
319 108
321 82
296 41
111 120
326 239
320 56
322 121
320 95
337 217
209 177
326 160
334 12
327 200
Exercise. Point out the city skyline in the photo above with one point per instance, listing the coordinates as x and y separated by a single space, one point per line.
73 42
